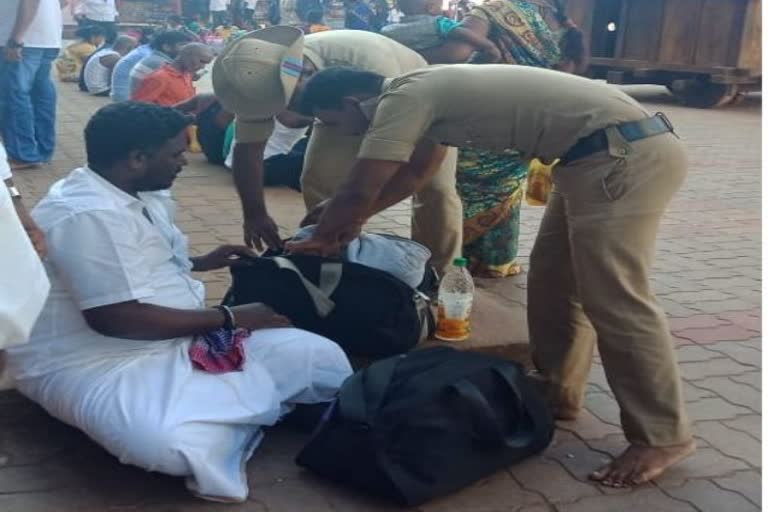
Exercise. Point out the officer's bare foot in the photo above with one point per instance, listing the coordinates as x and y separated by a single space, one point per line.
640 464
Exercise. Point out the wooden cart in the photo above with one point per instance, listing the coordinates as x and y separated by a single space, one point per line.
706 52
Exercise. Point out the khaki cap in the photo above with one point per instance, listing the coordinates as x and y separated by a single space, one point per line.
254 77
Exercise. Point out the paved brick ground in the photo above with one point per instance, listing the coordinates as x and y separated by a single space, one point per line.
707 277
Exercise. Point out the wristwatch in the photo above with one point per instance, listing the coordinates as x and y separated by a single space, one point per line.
14 44
14 192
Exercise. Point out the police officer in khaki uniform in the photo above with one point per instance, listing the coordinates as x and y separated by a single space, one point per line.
589 270
247 80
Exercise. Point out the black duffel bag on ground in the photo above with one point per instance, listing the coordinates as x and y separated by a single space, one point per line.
366 311
425 424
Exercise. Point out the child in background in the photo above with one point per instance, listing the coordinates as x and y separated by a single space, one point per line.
72 59
424 27
315 23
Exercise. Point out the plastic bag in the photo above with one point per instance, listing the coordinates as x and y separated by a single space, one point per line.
539 182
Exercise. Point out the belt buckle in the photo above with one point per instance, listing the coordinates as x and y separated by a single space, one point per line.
666 121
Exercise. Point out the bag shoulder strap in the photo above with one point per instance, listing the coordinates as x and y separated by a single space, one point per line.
330 277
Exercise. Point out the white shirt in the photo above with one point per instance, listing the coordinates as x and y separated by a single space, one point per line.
280 142
98 77
43 32
218 5
97 10
102 251
23 283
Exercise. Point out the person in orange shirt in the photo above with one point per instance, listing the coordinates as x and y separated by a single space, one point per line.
171 85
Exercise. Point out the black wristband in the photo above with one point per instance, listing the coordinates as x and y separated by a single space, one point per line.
13 44
229 317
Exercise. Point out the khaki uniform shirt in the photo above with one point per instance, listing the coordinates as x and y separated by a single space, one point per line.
356 48
538 112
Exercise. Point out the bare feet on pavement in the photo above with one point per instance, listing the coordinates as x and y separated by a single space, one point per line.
640 464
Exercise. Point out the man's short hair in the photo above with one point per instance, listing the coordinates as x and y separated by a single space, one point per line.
169 38
326 89
116 130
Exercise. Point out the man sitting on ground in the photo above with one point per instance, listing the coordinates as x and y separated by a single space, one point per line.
97 73
121 74
165 48
125 348
172 83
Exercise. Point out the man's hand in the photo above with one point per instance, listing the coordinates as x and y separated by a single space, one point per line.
258 316
12 54
224 256
313 217
260 230
325 246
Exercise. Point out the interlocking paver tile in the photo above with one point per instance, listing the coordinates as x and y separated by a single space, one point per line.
707 497
695 353
643 500
732 443
713 368
718 333
746 483
715 408
696 322
738 351
550 479
751 424
588 426
733 392
754 379
706 462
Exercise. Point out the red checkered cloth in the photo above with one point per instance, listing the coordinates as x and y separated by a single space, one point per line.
219 351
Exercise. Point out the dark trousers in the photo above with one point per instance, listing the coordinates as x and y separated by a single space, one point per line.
110 27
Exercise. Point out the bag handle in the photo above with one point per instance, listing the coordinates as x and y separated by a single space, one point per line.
330 276
484 418
364 391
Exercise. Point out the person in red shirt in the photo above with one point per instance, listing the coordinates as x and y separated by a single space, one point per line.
171 86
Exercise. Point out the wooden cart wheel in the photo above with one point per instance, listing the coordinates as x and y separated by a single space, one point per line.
706 94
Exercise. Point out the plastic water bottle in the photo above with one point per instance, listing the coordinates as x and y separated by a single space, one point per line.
454 303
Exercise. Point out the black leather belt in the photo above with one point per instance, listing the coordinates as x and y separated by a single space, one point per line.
631 131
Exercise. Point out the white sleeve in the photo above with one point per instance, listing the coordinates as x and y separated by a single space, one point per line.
5 168
23 283
99 258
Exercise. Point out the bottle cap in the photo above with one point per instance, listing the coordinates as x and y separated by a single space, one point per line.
460 262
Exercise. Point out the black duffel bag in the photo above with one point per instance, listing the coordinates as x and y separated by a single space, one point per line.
366 311
425 424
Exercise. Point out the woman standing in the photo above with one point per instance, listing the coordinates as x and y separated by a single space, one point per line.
529 33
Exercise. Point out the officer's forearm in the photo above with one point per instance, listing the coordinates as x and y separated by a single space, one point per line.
411 177
402 186
248 173
356 199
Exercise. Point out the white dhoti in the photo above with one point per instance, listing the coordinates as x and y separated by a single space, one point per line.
155 411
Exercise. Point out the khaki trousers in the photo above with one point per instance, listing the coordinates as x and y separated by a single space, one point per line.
589 282
437 212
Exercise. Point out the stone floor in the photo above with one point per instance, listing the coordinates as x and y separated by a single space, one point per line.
708 277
